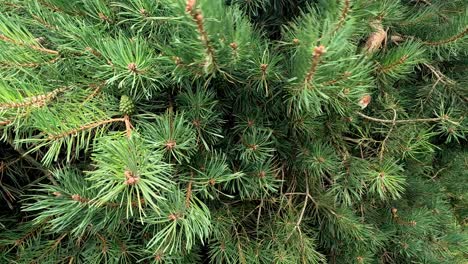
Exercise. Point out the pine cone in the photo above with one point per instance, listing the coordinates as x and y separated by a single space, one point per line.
127 106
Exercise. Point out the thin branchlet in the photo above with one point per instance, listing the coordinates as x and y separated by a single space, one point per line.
405 121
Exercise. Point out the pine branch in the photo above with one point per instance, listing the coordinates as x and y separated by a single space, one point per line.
86 127
45 23
54 245
207 170
343 16
38 228
97 89
103 241
87 201
28 65
34 47
33 161
343 77
50 6
390 67
239 248
317 54
198 18
449 40
37 100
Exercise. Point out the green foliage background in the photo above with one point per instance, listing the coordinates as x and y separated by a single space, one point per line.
240 131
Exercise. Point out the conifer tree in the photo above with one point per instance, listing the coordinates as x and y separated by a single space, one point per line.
241 131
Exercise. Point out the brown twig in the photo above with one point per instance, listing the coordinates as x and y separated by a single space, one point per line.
301 216
382 146
189 191
437 173
439 75
128 126
5 122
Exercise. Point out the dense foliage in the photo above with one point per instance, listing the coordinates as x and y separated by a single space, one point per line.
245 131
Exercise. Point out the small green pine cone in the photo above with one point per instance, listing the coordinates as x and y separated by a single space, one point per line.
127 106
